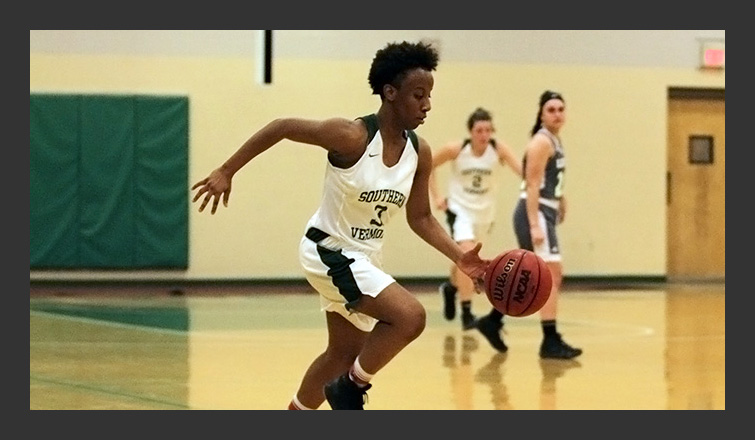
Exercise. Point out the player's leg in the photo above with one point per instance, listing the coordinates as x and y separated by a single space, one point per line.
465 234
466 290
400 320
491 325
341 278
553 346
372 301
449 288
344 343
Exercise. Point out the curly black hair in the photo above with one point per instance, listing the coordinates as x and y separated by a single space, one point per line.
393 61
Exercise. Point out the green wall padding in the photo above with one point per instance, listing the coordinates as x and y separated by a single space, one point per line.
108 179
162 181
54 181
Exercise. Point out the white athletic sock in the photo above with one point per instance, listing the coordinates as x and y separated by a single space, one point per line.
358 375
298 405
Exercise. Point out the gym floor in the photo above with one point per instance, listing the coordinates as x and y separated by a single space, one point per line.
216 348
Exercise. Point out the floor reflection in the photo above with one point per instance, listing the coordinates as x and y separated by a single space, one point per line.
552 370
644 349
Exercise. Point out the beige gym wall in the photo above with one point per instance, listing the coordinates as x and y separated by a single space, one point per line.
615 140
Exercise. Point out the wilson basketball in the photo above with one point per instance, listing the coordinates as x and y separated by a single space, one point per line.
518 282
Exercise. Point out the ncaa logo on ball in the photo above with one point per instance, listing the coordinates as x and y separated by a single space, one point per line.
500 280
521 286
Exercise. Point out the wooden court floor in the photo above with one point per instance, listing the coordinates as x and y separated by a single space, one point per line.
246 348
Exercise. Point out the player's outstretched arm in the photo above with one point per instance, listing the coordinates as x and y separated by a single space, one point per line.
341 137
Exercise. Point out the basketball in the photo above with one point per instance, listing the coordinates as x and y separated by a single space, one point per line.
518 282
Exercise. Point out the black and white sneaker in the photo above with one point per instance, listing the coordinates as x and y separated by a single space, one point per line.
343 393
468 321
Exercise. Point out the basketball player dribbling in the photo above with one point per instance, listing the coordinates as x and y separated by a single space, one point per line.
376 166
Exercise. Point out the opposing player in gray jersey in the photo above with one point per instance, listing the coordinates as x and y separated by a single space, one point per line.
470 202
540 207
376 166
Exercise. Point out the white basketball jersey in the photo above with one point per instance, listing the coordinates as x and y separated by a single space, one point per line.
358 202
473 185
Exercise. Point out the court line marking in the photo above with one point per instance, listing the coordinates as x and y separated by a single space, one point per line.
224 334
634 330
108 323
631 330
106 391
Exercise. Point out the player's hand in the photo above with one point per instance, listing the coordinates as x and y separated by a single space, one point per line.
441 204
562 210
214 187
537 235
471 264
561 214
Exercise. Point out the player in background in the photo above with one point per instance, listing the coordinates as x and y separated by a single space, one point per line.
540 207
470 201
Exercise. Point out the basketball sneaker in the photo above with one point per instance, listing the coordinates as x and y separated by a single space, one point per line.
343 393
491 329
554 347
448 292
468 321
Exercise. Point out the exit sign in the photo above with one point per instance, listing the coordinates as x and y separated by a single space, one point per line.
713 54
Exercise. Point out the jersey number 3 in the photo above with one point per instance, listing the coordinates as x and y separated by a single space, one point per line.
379 209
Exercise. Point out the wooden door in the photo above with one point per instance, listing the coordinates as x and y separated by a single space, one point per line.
696 187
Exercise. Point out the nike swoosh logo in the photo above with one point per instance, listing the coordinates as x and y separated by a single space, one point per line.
373 155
